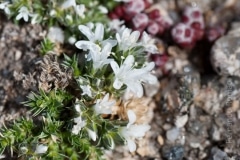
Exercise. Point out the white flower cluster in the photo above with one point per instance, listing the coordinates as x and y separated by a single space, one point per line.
81 123
112 64
133 131
5 6
25 12
132 78
125 73
102 106
124 35
79 9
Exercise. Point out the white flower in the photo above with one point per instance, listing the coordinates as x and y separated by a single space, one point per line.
144 74
69 18
68 3
41 149
80 9
100 58
148 43
93 37
86 90
23 13
55 34
133 131
131 77
103 9
77 108
53 13
92 134
115 24
87 45
90 25
127 39
80 123
121 74
72 40
4 6
104 106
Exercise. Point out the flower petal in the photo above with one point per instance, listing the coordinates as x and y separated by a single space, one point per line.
105 98
111 41
68 3
131 117
138 131
41 149
129 61
107 49
77 108
99 32
150 66
115 67
92 134
19 16
87 45
134 36
118 37
135 87
80 9
145 37
149 78
131 145
86 31
117 84
25 17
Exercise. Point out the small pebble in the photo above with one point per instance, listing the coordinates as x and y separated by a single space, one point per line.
218 154
160 140
172 134
181 121
167 126
238 114
194 127
18 55
216 134
195 145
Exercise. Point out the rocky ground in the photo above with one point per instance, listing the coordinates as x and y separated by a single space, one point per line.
18 51
195 114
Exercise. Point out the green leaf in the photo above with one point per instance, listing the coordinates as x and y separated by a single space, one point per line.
46 46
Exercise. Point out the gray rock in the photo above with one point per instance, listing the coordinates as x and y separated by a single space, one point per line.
181 120
173 153
172 134
225 55
218 154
